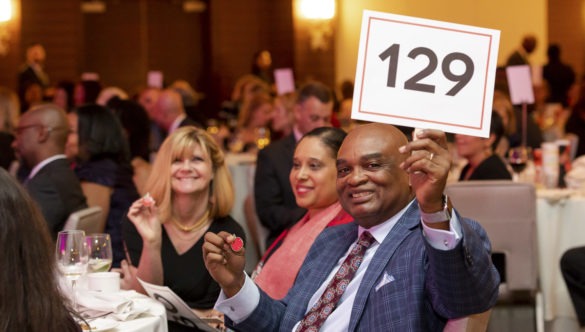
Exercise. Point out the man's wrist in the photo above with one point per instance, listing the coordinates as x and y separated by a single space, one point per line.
438 216
236 287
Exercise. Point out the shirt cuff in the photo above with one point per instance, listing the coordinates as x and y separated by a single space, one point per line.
240 306
441 239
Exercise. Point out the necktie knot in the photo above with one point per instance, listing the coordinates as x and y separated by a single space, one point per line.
330 297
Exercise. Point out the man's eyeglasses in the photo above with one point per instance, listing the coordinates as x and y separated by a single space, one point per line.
20 129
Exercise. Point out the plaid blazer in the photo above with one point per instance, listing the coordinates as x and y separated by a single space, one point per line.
428 286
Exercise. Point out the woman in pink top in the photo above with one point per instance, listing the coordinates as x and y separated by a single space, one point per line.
312 178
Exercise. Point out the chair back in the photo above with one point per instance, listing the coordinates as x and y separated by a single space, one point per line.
89 220
507 211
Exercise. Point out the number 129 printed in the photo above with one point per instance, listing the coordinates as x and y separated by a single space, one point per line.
422 73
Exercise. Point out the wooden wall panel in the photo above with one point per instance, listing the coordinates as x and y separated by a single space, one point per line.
566 27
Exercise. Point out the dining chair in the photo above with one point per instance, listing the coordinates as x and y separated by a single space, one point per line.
89 220
507 211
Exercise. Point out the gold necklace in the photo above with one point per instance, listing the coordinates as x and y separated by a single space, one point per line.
193 227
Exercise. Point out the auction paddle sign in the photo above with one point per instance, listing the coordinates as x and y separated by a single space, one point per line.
428 74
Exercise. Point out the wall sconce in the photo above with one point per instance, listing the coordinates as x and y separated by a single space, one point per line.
319 14
5 17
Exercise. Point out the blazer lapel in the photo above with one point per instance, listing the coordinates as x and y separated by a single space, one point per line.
330 247
407 223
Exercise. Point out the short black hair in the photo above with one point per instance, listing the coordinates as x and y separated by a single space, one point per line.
331 137
317 90
496 128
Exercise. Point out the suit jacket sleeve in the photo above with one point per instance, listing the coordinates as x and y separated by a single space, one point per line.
463 281
50 203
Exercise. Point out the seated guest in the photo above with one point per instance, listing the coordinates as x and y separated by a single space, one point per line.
40 141
503 106
30 299
136 124
282 115
169 113
275 203
313 181
102 164
482 162
193 193
573 269
409 262
253 121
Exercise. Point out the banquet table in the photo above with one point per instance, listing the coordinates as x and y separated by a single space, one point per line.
560 226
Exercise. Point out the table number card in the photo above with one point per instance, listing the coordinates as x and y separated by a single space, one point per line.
177 310
428 74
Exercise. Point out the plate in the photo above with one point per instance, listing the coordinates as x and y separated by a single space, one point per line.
100 325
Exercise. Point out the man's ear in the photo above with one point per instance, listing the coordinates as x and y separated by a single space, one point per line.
43 134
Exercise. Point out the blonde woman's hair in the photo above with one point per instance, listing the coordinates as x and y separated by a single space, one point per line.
178 145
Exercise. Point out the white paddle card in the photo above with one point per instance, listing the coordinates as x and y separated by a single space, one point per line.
427 74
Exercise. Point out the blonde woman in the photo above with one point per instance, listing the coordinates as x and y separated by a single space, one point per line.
192 193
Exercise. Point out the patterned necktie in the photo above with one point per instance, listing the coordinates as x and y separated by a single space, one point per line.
328 301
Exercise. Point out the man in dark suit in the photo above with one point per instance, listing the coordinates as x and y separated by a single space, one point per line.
426 265
169 113
275 203
520 56
40 144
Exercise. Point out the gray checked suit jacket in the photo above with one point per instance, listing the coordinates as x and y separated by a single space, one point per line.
428 286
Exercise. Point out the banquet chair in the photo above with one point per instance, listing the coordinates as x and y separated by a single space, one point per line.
507 211
89 220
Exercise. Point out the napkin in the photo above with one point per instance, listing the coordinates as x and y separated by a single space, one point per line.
575 178
121 307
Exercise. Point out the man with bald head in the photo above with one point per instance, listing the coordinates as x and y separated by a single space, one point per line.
40 144
423 264
169 113
520 56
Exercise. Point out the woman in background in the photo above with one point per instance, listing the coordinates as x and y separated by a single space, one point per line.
192 193
102 164
313 180
9 114
30 299
482 162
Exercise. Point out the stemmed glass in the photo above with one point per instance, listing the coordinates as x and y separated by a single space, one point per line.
517 158
100 252
72 257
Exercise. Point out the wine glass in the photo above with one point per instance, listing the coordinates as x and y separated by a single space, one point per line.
517 158
72 257
100 252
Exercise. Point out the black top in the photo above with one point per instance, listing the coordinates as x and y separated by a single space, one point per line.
492 168
6 151
185 274
118 177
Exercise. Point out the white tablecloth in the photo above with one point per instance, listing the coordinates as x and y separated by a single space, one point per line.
154 319
560 225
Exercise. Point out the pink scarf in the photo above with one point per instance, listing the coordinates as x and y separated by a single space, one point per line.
278 274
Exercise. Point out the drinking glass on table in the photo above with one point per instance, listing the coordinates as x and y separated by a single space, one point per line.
517 158
72 257
100 252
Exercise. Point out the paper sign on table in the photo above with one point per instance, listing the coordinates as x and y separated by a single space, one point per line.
520 84
284 80
154 79
177 310
428 74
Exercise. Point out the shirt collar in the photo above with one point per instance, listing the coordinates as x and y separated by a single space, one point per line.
177 122
43 163
379 232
